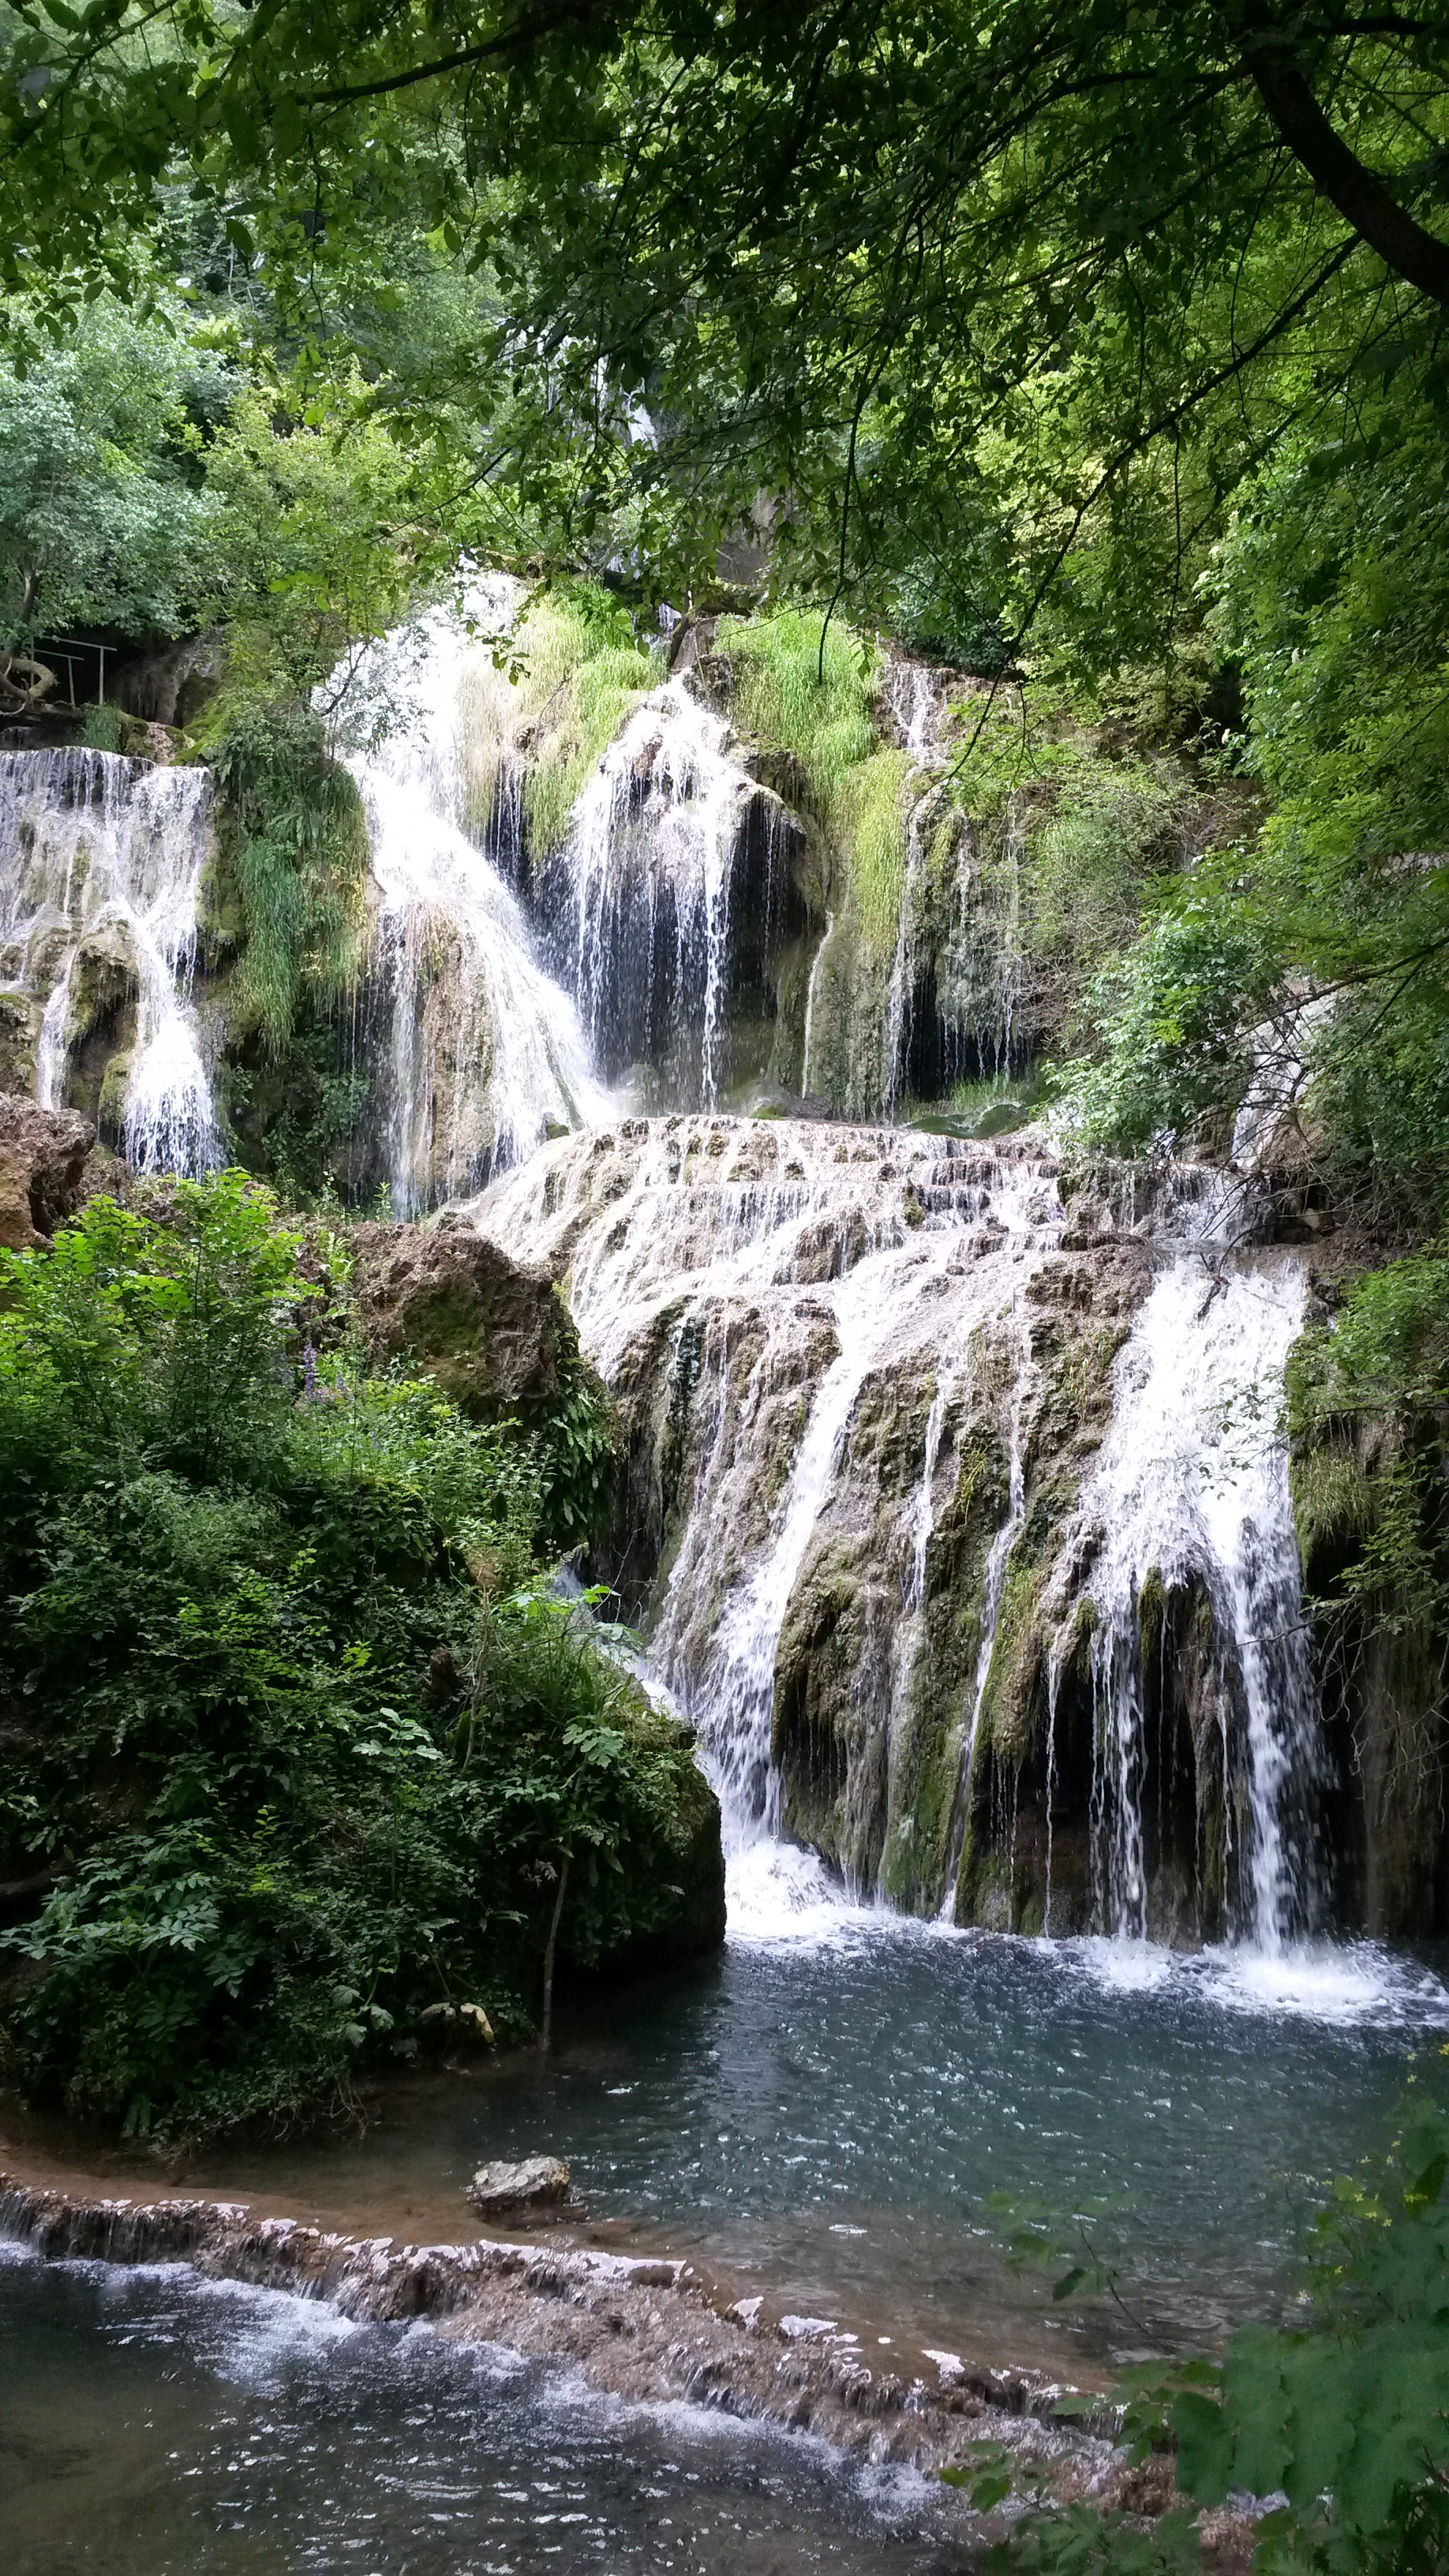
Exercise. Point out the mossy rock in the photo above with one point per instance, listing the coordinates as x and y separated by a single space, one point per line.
1009 1705
115 1083
20 1016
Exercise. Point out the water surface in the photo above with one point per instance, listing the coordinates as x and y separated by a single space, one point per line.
155 2425
828 2112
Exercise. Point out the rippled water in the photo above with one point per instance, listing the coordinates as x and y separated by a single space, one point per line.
823 2115
155 2425
828 2110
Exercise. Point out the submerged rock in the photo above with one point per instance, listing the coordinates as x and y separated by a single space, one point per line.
537 2182
43 1155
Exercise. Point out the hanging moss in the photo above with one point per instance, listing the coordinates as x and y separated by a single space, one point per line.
792 699
292 859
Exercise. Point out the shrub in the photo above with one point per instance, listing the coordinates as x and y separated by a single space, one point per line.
301 1745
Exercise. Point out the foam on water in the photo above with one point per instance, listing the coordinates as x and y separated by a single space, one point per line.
780 1896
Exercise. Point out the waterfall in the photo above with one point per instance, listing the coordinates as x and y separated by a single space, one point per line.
650 864
805 1322
742 1681
816 963
485 1054
773 1273
1191 1484
101 860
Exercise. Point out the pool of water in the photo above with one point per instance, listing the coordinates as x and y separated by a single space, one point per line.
828 2112
155 2425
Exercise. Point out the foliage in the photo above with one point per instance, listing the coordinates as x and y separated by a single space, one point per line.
809 693
1176 1018
583 675
294 843
1367 1394
1110 825
324 542
104 519
294 1734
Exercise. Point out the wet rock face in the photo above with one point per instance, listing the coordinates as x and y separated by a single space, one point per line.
43 1155
489 1329
959 1524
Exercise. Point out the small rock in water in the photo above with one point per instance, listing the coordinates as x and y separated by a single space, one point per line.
534 2184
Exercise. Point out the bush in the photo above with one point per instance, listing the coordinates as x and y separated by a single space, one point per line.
307 1757
1174 1022
1343 2425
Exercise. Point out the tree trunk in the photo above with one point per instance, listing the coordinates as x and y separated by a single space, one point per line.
547 2021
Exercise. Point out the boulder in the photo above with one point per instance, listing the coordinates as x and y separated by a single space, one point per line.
42 1168
538 2182
490 1330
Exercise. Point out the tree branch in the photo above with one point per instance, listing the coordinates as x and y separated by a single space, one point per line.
1358 193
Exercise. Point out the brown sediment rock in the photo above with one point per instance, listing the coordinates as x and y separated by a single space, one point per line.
645 2328
489 1329
42 1167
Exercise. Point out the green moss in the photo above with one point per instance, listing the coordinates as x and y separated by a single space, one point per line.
291 871
1016 1662
1334 1502
1151 1615
790 699
581 675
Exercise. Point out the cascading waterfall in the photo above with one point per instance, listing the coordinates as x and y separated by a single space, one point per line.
795 1263
651 858
101 860
486 1055
782 1302
1191 1484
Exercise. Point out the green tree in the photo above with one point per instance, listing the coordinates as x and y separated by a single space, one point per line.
103 516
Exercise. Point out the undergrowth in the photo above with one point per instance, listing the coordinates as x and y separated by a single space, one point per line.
299 1748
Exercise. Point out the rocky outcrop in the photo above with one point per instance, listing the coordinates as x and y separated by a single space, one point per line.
488 1329
43 1155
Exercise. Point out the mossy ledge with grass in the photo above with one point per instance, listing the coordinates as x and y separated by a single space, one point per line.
305 1769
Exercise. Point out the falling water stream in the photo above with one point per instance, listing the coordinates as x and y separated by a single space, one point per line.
485 1054
104 865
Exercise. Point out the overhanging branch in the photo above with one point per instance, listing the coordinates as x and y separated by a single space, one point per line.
1355 191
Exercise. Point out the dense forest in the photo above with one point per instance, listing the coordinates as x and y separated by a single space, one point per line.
1089 359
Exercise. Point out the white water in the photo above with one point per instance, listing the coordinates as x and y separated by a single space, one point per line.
486 1053
1192 1481
101 862
816 963
788 1266
651 856
784 1279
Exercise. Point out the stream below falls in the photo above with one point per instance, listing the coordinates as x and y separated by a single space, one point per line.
821 2116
